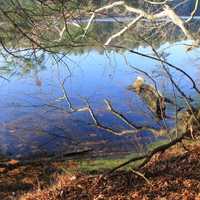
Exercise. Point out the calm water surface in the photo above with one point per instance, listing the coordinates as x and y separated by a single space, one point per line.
34 118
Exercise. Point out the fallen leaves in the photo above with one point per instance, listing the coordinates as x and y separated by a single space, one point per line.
172 177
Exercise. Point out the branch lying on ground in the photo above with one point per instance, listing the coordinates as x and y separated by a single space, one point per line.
147 157
51 158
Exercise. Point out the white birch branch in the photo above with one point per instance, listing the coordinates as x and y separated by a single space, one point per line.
118 3
167 12
178 21
145 14
123 30
194 11
156 3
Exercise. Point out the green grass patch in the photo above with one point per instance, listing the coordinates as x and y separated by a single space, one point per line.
100 165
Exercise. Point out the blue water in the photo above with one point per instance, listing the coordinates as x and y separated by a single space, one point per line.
34 119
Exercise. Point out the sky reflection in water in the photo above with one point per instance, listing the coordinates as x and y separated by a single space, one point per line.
32 114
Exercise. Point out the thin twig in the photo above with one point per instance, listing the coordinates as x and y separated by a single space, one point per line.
141 175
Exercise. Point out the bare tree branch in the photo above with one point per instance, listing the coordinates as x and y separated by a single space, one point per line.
167 12
193 12
119 115
178 21
147 157
163 61
134 21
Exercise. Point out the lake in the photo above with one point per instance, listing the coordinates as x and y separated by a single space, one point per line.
35 119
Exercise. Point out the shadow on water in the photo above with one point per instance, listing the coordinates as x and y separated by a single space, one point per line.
35 119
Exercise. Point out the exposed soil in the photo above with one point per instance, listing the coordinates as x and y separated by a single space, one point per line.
173 175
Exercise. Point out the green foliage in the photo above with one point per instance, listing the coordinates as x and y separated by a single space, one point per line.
101 164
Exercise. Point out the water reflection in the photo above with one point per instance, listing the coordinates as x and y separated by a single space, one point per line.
35 119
